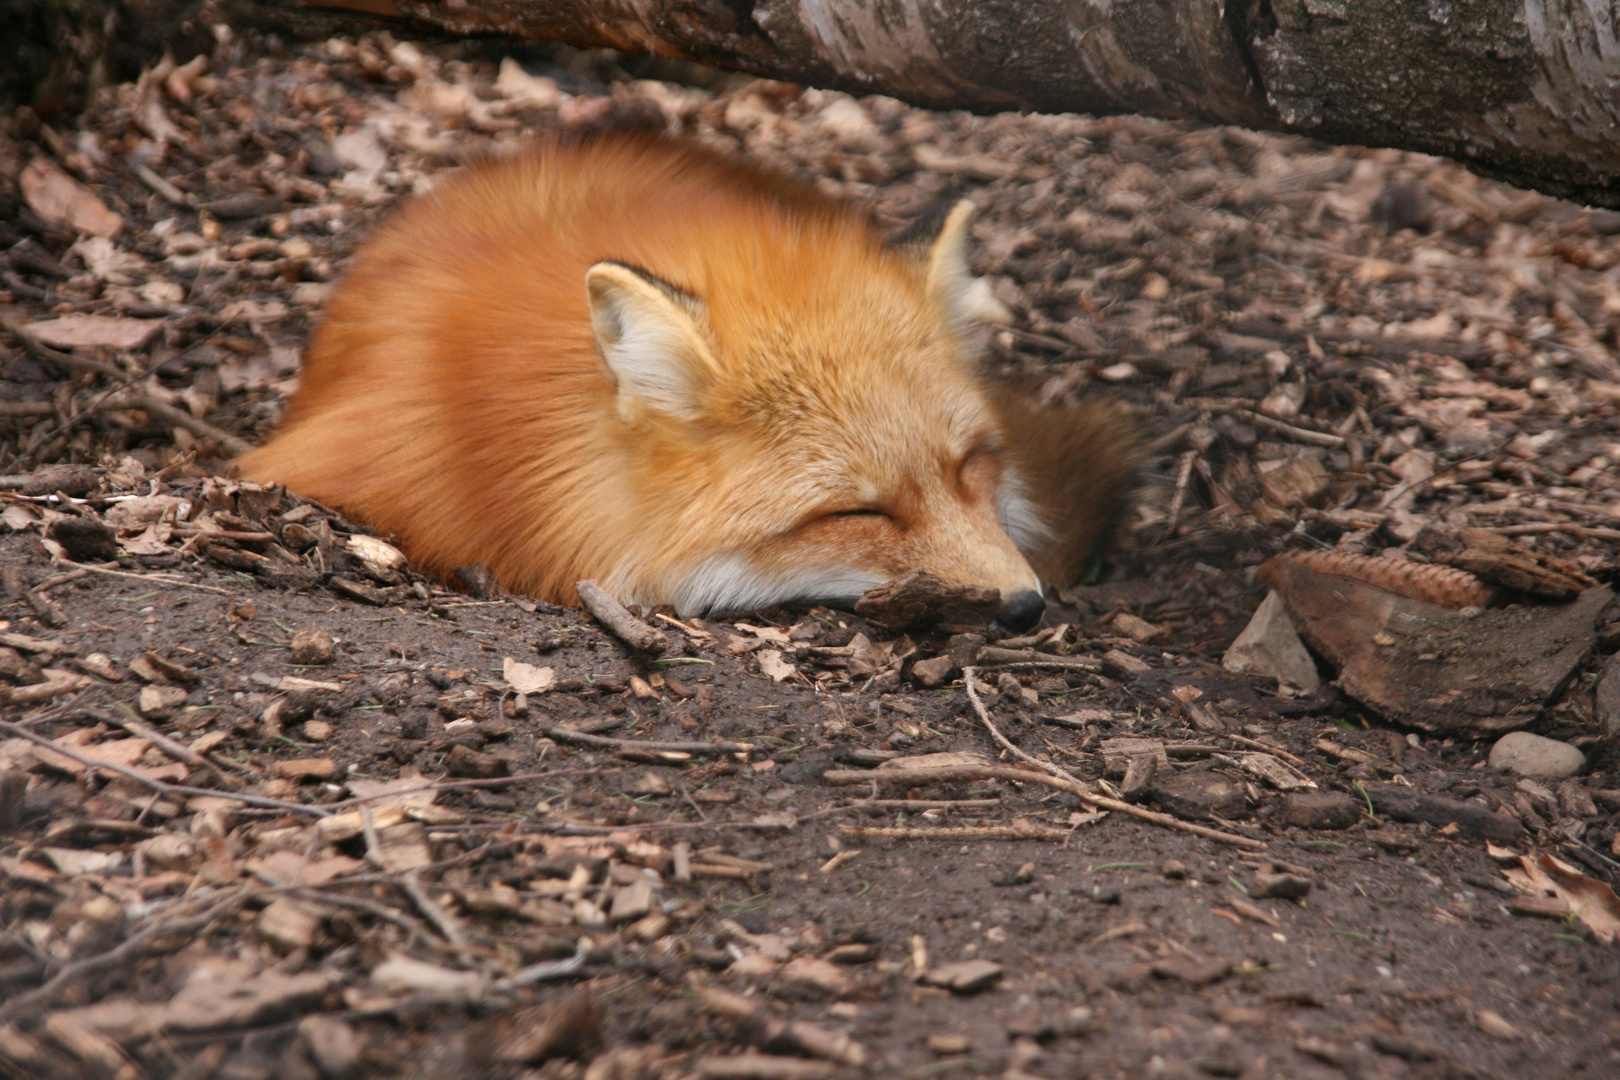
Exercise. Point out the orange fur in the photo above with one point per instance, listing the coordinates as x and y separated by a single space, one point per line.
792 410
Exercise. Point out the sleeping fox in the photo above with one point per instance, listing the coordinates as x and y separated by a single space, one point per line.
693 380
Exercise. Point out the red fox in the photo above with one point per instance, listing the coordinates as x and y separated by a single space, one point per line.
695 381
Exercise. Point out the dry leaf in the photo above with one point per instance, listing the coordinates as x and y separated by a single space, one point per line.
1593 902
76 331
527 678
772 664
62 200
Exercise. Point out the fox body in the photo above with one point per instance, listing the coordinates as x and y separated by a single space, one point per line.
691 380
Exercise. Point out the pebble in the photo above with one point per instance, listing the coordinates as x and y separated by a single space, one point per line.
1535 755
1200 795
964 976
1270 646
312 646
305 769
948 1045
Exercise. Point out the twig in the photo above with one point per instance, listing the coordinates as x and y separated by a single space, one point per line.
562 734
440 918
920 777
1580 532
184 929
968 832
167 191
154 579
925 804
625 626
969 676
1267 748
229 443
1298 434
1183 476
1003 658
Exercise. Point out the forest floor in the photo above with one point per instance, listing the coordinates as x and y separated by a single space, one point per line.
270 810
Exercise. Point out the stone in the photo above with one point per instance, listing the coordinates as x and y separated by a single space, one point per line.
1320 810
948 1044
311 647
1535 755
964 976
1270 646
1196 796
157 702
1607 699
933 672
287 925
305 769
1280 886
334 1046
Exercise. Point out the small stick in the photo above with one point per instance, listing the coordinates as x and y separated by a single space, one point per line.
969 676
919 777
1000 657
1298 434
625 626
969 832
155 579
446 923
562 734
926 804
1266 748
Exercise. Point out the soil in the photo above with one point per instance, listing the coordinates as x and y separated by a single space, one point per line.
1341 348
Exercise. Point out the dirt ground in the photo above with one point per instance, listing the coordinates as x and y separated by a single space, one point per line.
269 808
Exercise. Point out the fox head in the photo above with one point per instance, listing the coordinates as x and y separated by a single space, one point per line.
810 422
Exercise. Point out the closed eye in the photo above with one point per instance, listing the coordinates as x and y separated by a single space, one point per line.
864 512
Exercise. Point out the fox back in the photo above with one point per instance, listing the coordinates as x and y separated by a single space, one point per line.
692 380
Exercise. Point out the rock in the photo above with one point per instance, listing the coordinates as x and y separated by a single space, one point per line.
1270 646
964 976
934 672
157 702
1196 796
312 646
287 925
1123 664
1534 755
305 768
334 1046
1320 810
1608 697
562 1027
947 1044
632 902
85 539
1281 886
465 761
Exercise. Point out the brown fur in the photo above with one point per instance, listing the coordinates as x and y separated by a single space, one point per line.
456 395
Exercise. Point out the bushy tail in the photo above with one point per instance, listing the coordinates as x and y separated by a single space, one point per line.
1081 464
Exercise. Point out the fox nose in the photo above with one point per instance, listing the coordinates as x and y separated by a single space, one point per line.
1022 611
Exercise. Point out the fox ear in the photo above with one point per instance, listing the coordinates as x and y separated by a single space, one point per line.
652 337
966 300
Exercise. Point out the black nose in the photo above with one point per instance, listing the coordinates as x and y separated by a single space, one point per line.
1022 611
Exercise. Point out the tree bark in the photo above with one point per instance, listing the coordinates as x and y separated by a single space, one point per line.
1526 91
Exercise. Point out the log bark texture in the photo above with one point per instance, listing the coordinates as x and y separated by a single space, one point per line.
1526 91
